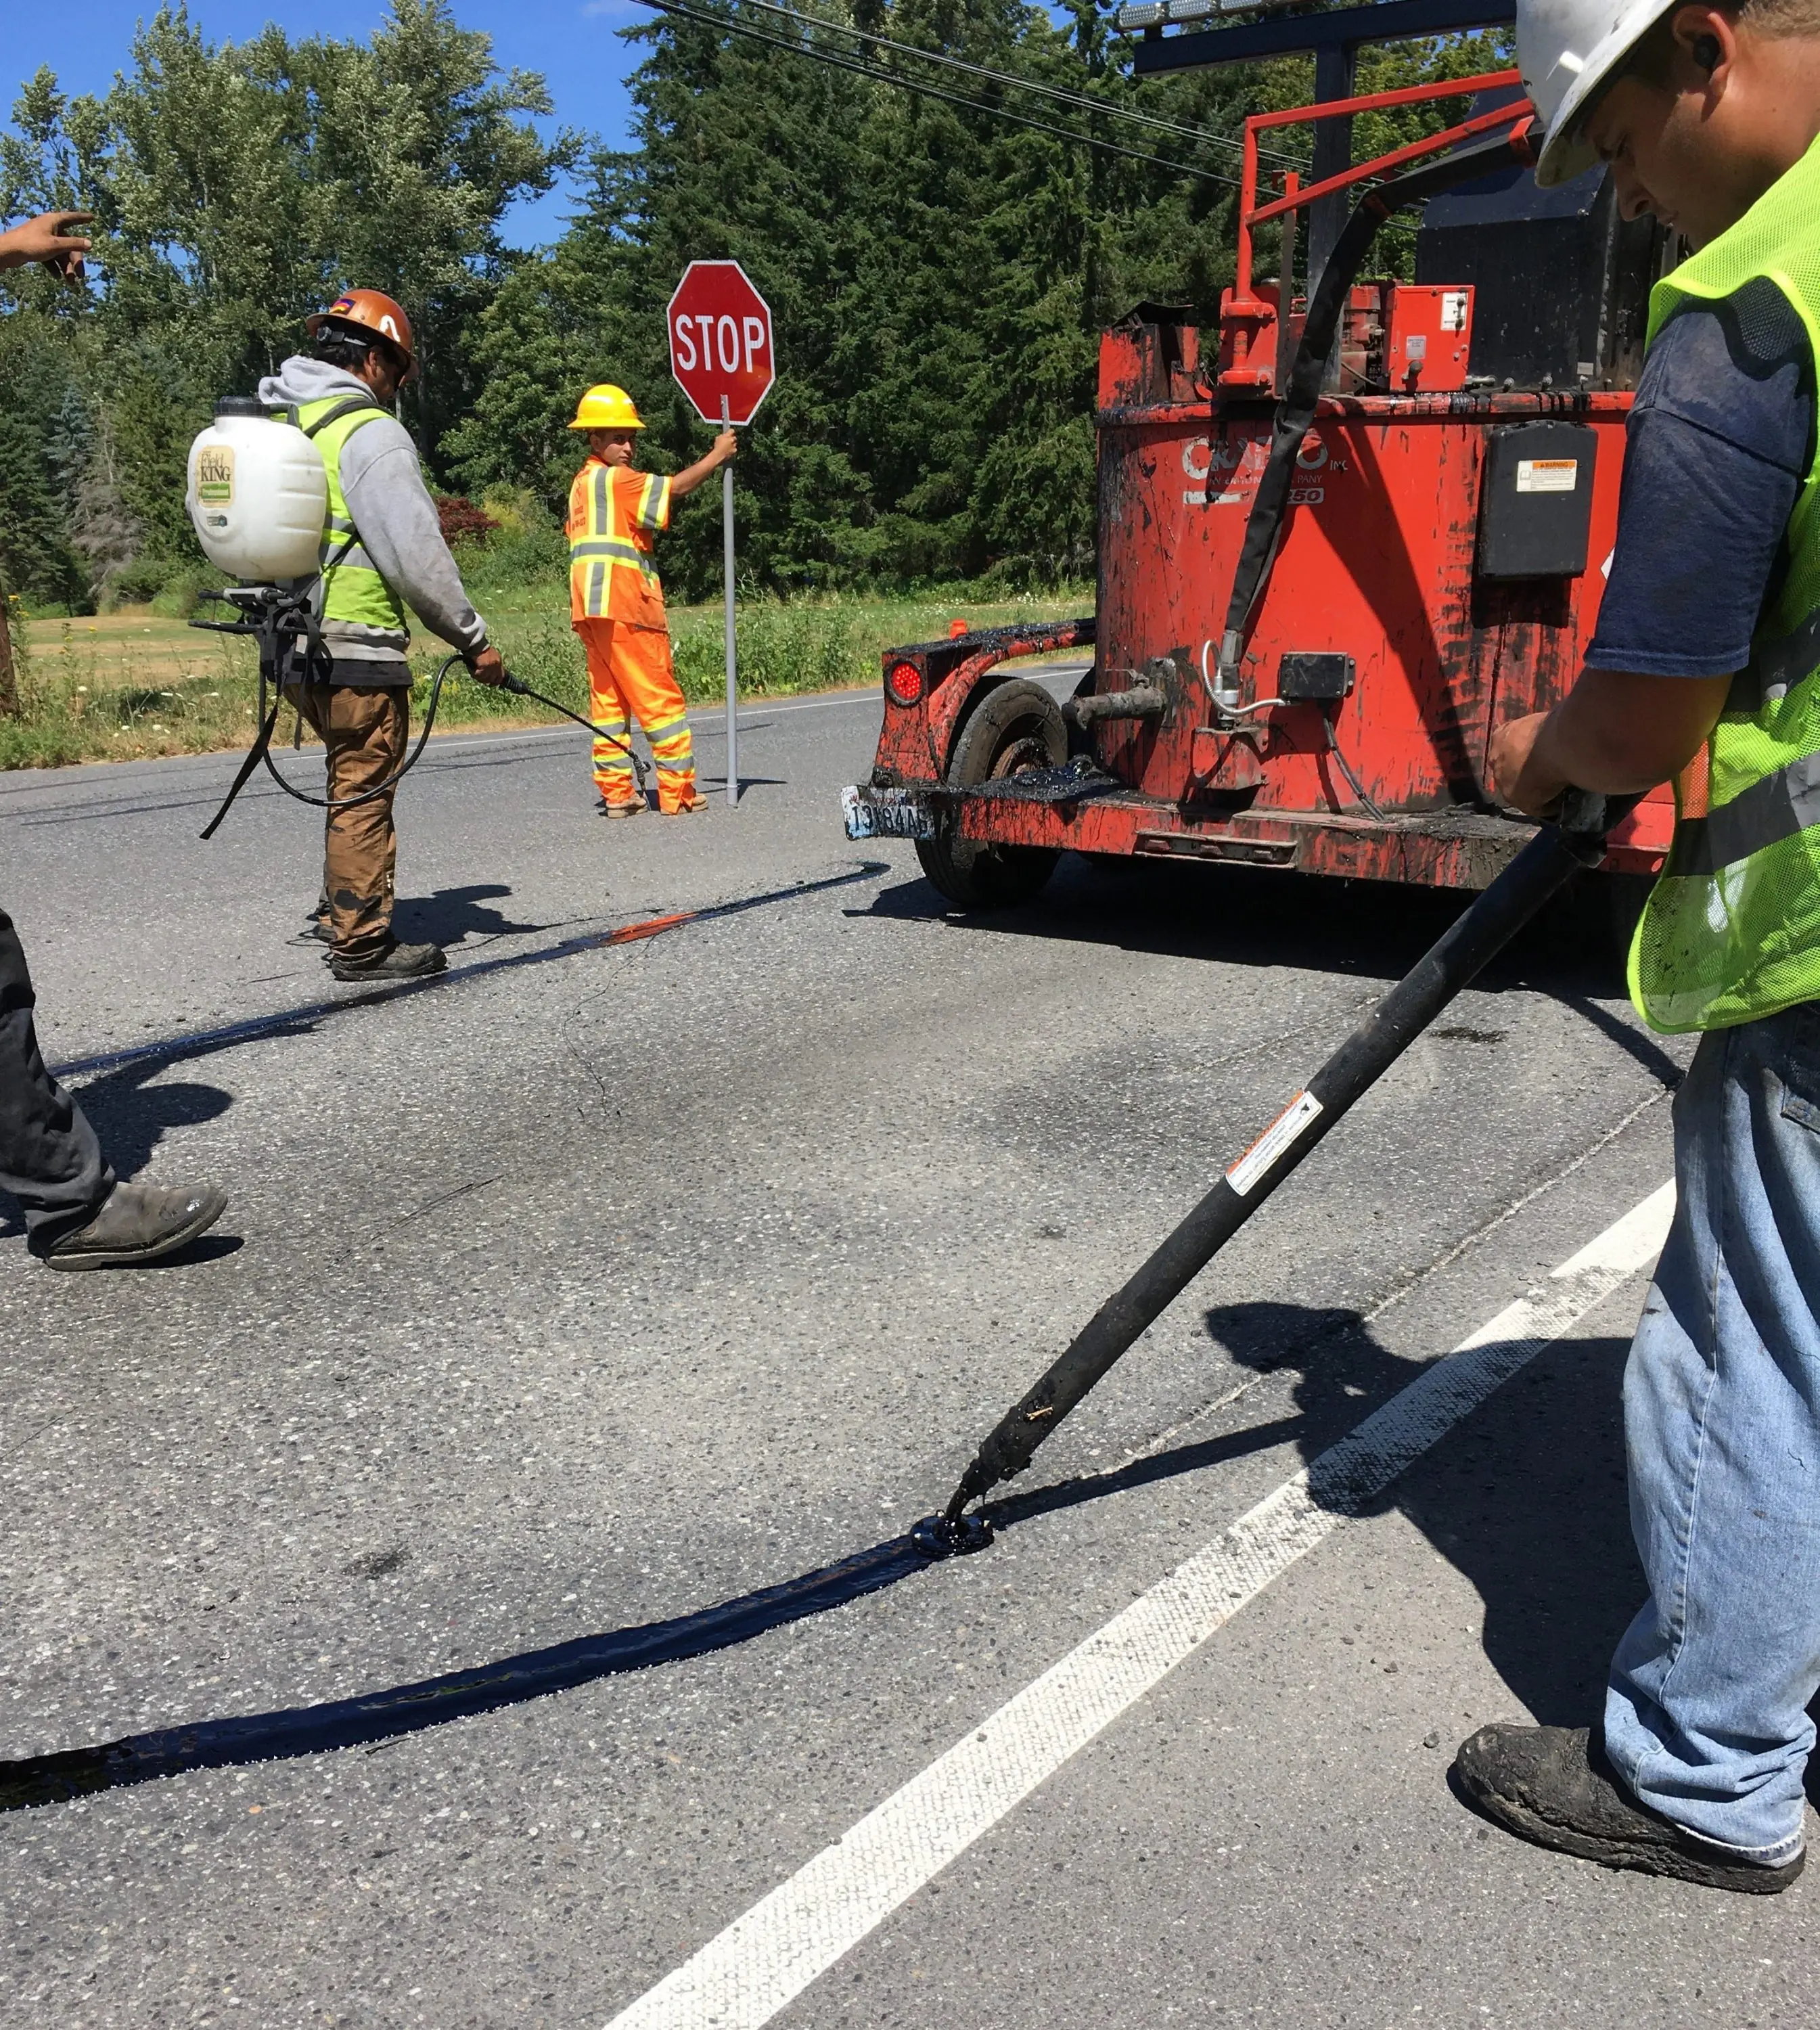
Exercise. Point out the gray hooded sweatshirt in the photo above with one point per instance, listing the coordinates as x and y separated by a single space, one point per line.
392 508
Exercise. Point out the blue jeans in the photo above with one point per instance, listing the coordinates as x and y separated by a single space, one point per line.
1706 1711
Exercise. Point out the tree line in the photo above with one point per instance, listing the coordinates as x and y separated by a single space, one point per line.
939 272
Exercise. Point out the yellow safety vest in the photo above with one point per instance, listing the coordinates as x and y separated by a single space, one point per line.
1731 932
352 589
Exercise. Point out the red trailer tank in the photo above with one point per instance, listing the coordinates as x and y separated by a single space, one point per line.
1439 571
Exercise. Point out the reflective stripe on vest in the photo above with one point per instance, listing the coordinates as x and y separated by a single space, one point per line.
606 545
1731 932
352 589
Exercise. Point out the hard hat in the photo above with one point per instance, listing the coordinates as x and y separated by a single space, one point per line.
1568 50
369 309
606 408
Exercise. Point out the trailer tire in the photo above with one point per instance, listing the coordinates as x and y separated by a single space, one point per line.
1015 727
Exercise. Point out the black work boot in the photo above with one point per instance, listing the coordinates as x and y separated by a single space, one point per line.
392 961
1553 1785
138 1223
315 931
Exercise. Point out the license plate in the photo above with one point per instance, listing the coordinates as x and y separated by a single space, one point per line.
887 813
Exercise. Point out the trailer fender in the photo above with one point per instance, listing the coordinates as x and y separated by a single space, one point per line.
958 698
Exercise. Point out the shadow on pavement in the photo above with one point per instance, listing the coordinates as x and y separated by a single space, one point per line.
1254 916
451 916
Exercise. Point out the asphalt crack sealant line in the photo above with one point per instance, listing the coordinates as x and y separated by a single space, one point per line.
764 1960
198 1042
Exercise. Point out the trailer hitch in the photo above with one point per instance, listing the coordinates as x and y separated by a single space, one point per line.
1558 851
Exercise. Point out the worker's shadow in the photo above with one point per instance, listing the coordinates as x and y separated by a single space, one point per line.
452 916
1525 1496
131 1109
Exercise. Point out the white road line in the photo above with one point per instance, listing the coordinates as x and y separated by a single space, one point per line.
763 1960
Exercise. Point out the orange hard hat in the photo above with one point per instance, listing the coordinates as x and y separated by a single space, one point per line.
369 310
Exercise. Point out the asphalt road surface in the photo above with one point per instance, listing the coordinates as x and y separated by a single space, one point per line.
619 1280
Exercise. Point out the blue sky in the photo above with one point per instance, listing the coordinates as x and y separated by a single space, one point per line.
571 42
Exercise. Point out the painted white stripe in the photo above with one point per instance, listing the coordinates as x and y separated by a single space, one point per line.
764 1960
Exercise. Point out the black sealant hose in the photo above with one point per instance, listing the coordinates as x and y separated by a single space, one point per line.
1295 413
1539 871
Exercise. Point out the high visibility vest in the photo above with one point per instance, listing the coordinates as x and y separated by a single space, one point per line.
614 516
1731 932
352 589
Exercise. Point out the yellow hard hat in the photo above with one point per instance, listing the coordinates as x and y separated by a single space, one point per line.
607 407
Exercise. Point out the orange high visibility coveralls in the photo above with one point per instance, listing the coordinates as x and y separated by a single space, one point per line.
616 606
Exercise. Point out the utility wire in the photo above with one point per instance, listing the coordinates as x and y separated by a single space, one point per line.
1059 93
839 60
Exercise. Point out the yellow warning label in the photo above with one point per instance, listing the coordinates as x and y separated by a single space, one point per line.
1548 475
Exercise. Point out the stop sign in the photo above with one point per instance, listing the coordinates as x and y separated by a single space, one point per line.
720 341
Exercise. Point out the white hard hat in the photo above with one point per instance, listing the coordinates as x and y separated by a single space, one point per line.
1568 51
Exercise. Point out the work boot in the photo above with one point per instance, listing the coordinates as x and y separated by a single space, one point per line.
1553 1785
315 931
695 800
392 961
138 1223
627 810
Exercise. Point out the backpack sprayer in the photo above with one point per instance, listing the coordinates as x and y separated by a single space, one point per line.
257 497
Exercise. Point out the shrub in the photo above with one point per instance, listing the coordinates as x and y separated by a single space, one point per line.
462 522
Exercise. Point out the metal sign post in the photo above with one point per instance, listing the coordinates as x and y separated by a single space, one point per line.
732 652
720 353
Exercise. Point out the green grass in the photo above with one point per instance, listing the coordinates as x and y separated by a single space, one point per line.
138 683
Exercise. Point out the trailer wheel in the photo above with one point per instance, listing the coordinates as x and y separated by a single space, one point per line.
1016 727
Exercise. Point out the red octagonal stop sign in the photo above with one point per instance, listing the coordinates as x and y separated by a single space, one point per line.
720 341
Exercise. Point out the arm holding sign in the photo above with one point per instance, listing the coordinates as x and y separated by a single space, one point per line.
726 447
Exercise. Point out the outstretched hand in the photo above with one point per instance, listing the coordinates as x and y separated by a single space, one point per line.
47 238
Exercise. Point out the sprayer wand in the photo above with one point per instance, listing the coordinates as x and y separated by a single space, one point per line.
519 688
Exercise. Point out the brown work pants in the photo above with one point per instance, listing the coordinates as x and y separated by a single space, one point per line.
364 730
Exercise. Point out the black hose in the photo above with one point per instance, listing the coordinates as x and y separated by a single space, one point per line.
1295 412
519 688
1549 860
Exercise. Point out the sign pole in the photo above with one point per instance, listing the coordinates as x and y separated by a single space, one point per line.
732 661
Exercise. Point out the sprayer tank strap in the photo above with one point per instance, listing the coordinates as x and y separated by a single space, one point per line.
348 405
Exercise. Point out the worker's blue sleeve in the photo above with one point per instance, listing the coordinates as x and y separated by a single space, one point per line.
1720 439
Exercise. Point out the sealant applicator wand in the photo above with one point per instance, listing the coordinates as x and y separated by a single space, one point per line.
1559 850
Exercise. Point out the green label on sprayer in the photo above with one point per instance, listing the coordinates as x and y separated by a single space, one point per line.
215 475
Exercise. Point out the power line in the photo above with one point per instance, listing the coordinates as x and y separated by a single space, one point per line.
839 60
1057 92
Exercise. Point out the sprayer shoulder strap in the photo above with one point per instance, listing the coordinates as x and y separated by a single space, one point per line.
349 405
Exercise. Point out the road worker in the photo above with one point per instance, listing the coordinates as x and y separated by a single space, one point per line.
616 604
1705 669
382 547
78 1215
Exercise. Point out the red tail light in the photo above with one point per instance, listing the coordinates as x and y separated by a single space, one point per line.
903 683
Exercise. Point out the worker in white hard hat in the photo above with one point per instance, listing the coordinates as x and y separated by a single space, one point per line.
1705 670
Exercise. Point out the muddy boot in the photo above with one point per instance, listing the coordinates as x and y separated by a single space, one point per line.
392 961
138 1223
1551 1785
315 931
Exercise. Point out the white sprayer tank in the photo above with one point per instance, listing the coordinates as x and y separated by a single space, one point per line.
257 495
